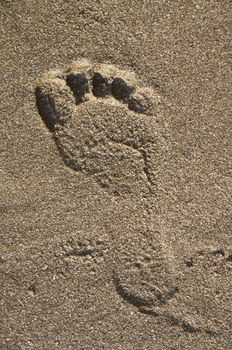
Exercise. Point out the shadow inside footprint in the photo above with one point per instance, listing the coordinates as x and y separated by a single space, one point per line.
79 85
46 108
120 90
101 87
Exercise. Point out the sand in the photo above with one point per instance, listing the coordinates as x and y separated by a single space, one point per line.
115 178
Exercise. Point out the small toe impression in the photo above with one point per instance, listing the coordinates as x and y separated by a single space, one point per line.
79 85
120 90
100 85
136 105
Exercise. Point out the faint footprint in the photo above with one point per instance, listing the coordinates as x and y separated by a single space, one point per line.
103 121
191 299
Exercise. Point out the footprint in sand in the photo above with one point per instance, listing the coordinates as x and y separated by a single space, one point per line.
104 124
190 298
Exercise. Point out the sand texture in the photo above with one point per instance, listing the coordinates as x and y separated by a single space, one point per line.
115 227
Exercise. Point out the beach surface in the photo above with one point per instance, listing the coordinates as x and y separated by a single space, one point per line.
115 187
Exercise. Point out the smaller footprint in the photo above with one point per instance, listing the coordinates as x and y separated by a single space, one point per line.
104 124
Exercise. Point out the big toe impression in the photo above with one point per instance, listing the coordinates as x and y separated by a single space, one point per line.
54 101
